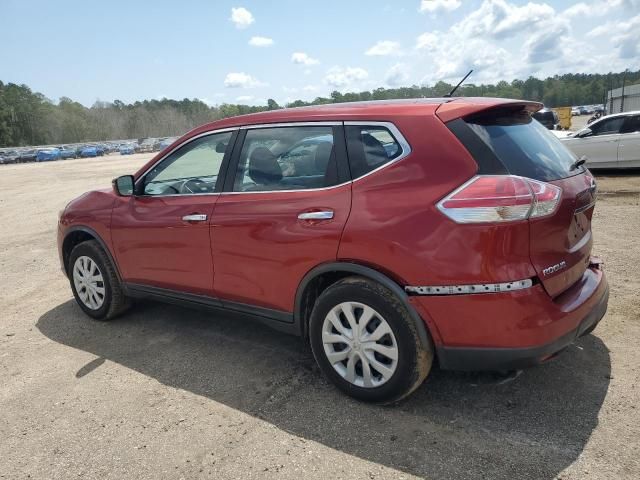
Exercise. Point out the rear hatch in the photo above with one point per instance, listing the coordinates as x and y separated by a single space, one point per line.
507 141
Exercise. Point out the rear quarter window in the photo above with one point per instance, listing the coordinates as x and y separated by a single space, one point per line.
370 147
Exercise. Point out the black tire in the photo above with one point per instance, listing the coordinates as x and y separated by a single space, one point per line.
115 302
414 358
589 330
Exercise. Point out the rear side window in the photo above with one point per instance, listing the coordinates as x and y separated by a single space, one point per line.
610 126
512 142
632 125
370 147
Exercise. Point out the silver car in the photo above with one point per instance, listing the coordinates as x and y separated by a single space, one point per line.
609 142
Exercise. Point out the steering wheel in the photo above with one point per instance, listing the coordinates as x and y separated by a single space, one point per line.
195 185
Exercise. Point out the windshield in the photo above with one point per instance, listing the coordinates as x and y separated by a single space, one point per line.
524 146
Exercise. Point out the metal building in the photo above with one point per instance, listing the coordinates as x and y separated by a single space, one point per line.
624 99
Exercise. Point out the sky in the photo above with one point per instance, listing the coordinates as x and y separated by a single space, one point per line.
250 50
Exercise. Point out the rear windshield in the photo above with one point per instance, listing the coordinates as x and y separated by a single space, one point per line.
524 146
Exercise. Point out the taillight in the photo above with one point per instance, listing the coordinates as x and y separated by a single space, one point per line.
500 198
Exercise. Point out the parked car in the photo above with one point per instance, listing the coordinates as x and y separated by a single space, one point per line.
126 149
575 111
27 156
548 118
149 145
164 143
609 142
9 156
469 241
47 154
89 151
68 152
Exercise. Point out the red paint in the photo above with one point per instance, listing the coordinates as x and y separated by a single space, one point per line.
255 250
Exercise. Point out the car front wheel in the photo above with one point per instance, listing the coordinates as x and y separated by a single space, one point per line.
366 342
95 283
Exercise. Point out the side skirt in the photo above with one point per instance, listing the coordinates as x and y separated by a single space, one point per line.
277 319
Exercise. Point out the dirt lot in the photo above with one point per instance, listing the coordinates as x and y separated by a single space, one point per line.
166 392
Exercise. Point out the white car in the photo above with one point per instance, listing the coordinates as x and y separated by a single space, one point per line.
609 142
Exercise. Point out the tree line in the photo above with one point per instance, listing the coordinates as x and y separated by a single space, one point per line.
30 118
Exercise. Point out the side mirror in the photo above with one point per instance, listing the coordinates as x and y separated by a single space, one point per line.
123 186
584 133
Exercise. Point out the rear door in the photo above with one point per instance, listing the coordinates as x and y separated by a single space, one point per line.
601 147
286 200
559 243
629 145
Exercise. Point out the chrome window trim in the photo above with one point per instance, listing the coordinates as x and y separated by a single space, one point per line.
395 132
292 124
317 189
180 145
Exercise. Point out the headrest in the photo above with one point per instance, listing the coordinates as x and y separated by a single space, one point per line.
374 149
263 167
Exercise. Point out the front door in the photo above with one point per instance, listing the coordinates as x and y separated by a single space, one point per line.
286 201
161 234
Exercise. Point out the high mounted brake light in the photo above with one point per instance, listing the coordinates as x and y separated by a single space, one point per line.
500 198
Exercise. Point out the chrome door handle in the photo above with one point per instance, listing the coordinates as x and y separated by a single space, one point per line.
322 215
196 217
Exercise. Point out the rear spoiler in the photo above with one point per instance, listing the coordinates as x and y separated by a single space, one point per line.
462 107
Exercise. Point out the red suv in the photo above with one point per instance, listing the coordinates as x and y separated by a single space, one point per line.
386 233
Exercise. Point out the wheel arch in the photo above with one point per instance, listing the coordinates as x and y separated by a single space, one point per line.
81 233
322 276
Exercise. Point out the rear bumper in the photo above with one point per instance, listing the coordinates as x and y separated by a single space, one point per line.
512 330
470 359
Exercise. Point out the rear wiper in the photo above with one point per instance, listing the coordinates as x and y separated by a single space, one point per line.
581 161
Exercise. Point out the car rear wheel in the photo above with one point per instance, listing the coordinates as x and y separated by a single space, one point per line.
95 283
366 343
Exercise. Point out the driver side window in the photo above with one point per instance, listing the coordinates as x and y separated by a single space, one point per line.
192 169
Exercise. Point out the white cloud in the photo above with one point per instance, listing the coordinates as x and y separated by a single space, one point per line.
427 40
384 48
598 8
241 80
340 77
501 19
579 9
261 41
625 37
544 46
501 40
397 75
244 98
309 88
241 17
302 58
433 6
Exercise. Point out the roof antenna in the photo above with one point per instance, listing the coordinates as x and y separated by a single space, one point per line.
461 82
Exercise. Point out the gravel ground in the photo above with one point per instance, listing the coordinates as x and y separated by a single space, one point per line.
166 392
